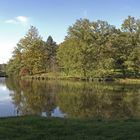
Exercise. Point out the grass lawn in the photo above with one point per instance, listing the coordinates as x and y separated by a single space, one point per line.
39 128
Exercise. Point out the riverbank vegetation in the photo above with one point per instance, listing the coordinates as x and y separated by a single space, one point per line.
34 128
2 70
91 49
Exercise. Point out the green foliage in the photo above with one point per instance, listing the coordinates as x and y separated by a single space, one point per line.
90 49
51 48
103 50
68 56
2 69
30 56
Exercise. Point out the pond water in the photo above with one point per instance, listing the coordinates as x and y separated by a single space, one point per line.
69 99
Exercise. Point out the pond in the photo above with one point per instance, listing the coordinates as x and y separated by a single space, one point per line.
69 99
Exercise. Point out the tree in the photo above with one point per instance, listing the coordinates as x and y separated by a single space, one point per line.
91 49
133 62
29 55
14 65
90 40
51 48
68 57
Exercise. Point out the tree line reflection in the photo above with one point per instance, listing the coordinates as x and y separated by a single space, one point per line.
76 99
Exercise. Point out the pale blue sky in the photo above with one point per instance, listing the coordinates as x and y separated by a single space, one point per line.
53 17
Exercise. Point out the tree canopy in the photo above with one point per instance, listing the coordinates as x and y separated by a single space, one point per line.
90 49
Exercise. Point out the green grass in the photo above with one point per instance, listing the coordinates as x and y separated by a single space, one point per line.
128 81
39 128
53 76
63 76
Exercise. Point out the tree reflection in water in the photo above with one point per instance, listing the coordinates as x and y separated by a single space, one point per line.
76 99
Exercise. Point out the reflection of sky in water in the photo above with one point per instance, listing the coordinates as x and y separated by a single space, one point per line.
75 99
56 113
6 106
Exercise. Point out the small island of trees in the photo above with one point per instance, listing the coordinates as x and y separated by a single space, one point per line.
91 49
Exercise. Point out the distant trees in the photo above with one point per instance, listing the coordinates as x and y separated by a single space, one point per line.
2 69
90 49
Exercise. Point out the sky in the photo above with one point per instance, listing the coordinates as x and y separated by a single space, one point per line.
53 17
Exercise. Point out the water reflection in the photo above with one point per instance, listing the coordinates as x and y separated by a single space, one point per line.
75 99
6 106
32 97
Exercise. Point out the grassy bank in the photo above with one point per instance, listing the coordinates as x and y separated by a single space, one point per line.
39 128
128 81
53 76
62 76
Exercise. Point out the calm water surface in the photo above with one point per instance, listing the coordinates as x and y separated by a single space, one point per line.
69 99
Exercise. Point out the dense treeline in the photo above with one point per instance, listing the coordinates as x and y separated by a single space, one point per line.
2 70
90 49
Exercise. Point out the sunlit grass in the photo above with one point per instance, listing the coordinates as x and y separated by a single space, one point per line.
129 81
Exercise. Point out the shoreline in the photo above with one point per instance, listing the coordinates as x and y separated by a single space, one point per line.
44 77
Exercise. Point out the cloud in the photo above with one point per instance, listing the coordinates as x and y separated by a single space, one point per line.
22 19
11 21
18 20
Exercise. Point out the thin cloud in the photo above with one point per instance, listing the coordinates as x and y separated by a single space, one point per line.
18 20
11 21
